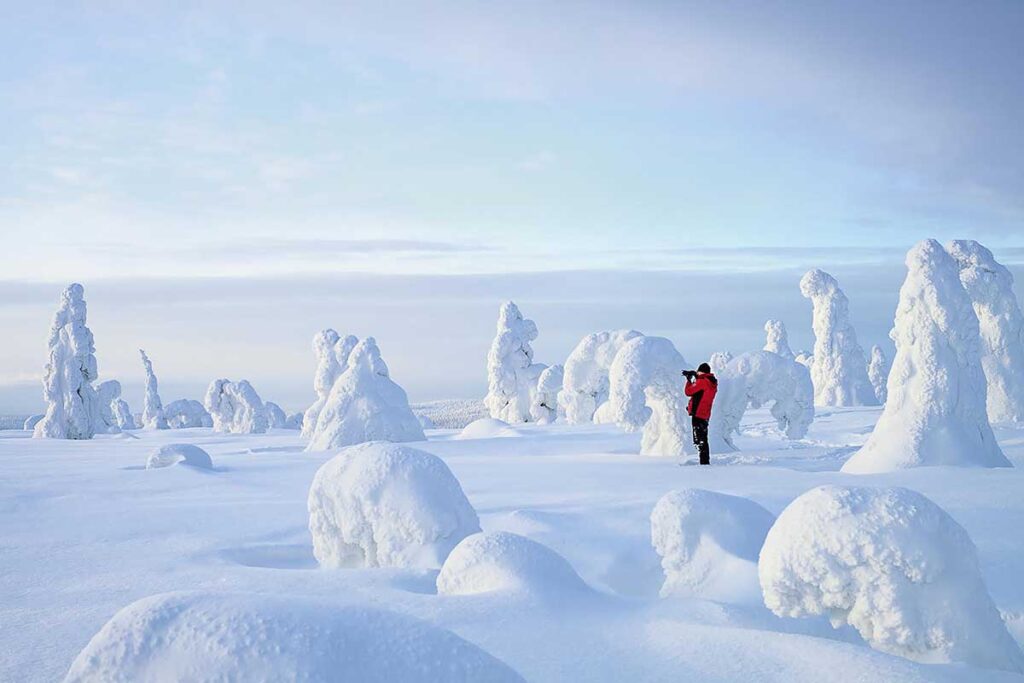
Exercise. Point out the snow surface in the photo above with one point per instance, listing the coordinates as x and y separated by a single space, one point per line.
179 453
585 383
152 406
487 428
511 373
386 505
893 565
186 412
235 407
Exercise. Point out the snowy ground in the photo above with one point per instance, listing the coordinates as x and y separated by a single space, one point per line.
86 530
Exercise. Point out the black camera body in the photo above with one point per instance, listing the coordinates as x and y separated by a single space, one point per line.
689 374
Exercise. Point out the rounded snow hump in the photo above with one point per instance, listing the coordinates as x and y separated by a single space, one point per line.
179 453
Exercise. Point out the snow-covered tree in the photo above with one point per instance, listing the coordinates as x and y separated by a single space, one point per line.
990 286
719 359
545 401
185 413
72 408
777 340
511 373
235 407
839 371
365 405
935 412
585 384
152 406
805 358
123 414
276 417
878 372
107 393
332 352
645 393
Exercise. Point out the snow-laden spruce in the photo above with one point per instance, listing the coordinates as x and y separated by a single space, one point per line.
332 352
72 410
839 370
878 372
545 401
386 505
276 417
511 373
755 379
718 360
179 453
365 405
709 543
152 406
935 412
107 394
645 393
193 636
777 340
990 286
892 564
235 407
501 561
585 382
185 413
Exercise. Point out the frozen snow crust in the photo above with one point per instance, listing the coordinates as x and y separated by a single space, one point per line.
893 565
179 453
386 505
235 637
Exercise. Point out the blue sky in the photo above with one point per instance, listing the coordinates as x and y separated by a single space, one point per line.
177 142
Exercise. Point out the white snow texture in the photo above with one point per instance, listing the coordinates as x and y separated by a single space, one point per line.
175 453
387 505
152 406
935 412
878 373
511 373
777 340
185 413
365 405
585 383
892 564
332 352
839 370
545 400
235 407
276 417
108 394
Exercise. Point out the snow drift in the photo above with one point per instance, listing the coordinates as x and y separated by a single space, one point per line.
839 370
893 565
365 405
386 505
777 340
235 407
152 406
511 373
709 543
545 401
487 428
183 453
585 383
186 413
231 637
935 412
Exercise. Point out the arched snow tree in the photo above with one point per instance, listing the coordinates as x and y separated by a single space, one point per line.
777 340
152 406
511 373
585 383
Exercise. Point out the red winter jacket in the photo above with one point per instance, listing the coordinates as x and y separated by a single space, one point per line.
702 394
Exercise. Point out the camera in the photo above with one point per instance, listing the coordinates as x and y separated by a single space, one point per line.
689 374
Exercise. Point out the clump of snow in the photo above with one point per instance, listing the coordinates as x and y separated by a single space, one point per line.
276 417
645 393
183 453
839 370
451 413
32 421
501 561
233 637
718 360
777 340
805 358
71 404
511 373
487 428
106 394
332 352
545 401
294 421
990 286
893 565
386 505
585 383
878 372
152 407
235 407
186 413
935 412
365 405
709 543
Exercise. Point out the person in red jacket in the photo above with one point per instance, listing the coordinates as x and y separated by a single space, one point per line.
701 387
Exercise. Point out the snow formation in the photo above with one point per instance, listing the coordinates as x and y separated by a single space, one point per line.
236 637
990 286
511 373
935 412
152 407
545 401
235 407
892 564
709 543
777 340
645 392
184 453
276 417
365 405
32 421
185 413
878 372
585 383
839 370
387 505
487 428
501 561
332 352
72 411
718 361
108 393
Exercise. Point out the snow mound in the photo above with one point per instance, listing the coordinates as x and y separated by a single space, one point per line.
709 543
365 405
893 565
585 384
225 637
487 428
385 505
511 373
32 421
501 561
545 400
235 407
152 407
183 453
935 413
777 339
186 413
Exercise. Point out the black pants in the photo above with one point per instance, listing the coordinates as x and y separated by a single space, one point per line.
700 440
